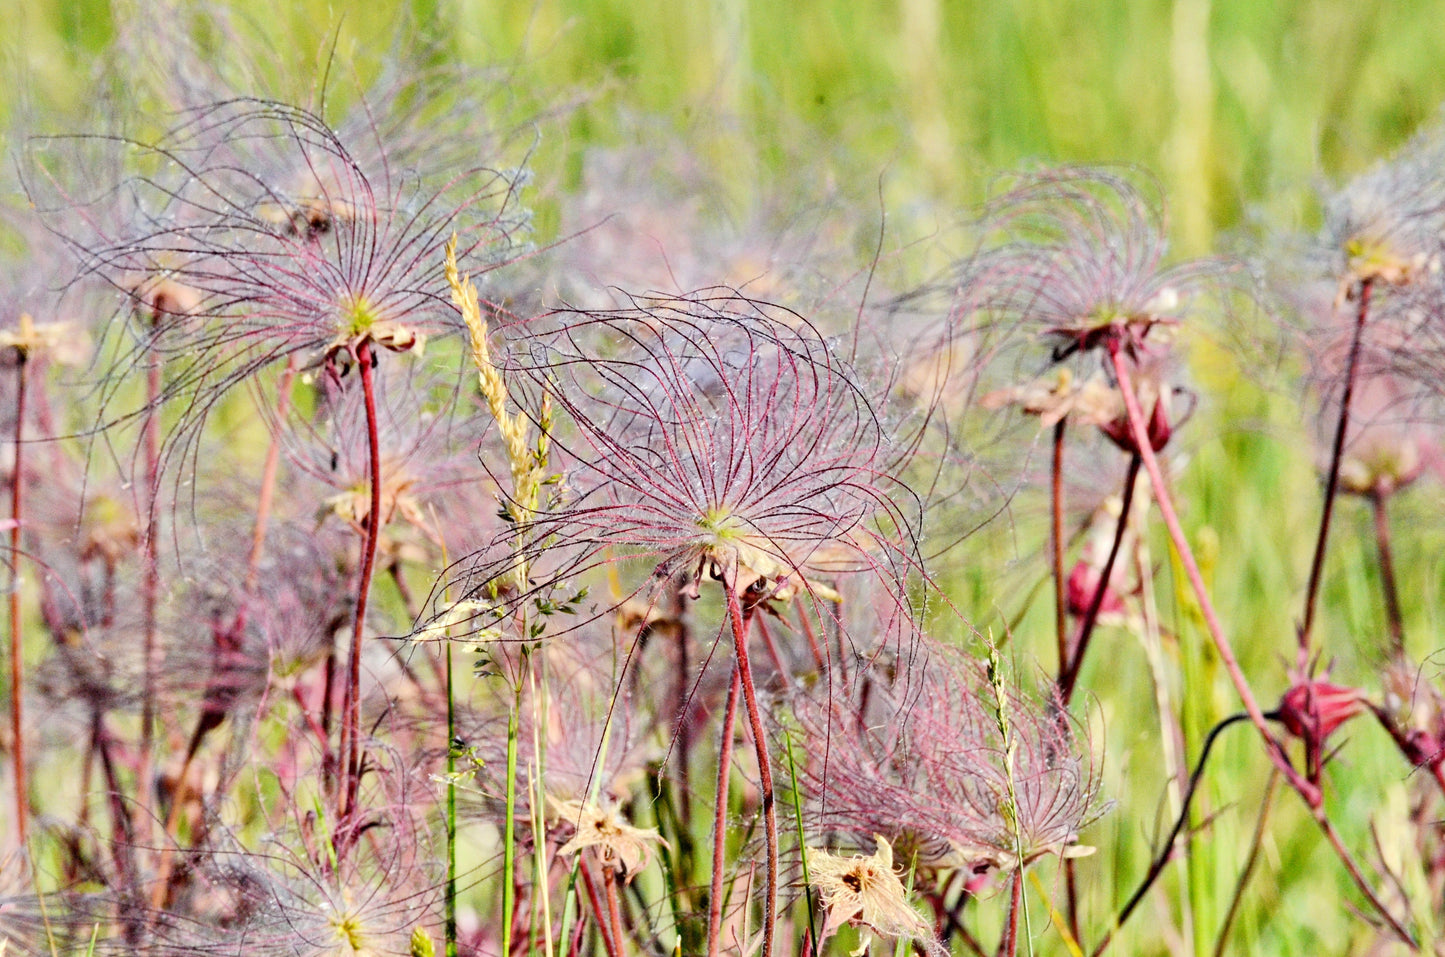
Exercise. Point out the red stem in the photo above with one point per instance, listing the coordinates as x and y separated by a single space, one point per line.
351 725
1308 791
614 908
597 912
1061 611
268 481
1008 946
1395 620
1332 483
17 663
720 814
150 598
1070 677
765 770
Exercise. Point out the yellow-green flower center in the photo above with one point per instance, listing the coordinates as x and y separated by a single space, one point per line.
358 317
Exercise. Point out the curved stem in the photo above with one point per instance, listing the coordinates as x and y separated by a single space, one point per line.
351 724
765 770
17 661
720 813
1166 853
1332 482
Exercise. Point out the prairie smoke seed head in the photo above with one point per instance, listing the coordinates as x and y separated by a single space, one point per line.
1077 254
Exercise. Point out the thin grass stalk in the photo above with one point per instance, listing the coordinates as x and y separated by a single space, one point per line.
1256 844
808 893
1171 735
720 814
17 658
450 897
536 802
1070 677
351 722
765 771
1332 482
1394 619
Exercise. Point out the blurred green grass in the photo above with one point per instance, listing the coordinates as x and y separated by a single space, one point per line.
1241 109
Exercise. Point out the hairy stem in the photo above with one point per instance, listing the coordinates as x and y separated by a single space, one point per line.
765 770
150 595
1308 791
598 913
720 814
1332 481
351 723
1009 945
614 907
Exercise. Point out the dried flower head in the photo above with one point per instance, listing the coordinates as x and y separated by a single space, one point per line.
866 892
619 846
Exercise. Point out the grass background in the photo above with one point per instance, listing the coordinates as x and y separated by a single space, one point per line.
1242 110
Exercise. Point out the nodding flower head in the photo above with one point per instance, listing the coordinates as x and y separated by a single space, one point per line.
277 241
723 439
1077 255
